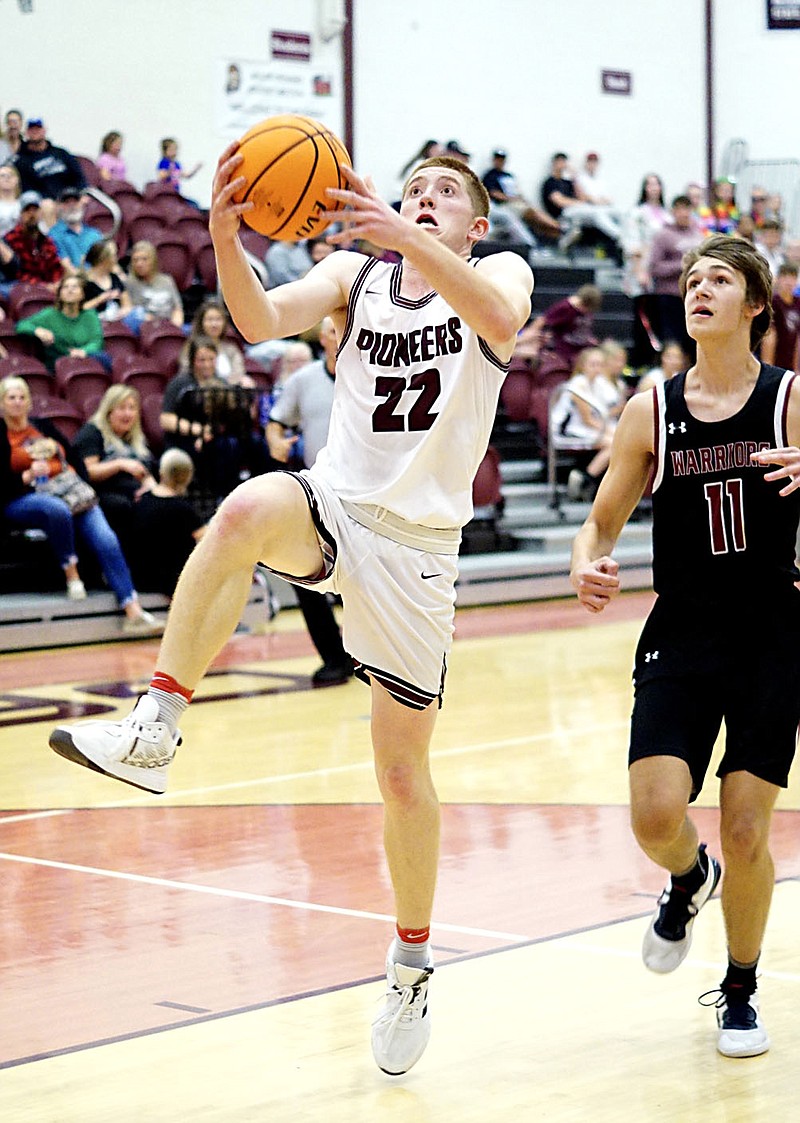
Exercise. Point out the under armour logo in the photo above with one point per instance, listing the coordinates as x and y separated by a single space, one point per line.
673 428
650 656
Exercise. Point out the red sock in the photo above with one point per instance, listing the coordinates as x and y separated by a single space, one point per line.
167 683
413 935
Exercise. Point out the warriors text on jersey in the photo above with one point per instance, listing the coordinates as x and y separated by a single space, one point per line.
414 404
719 528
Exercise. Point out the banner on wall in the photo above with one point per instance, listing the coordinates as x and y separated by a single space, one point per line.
289 82
782 16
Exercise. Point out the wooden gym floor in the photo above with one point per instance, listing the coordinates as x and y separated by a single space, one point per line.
217 953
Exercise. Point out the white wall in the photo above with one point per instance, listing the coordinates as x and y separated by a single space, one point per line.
148 68
757 74
524 74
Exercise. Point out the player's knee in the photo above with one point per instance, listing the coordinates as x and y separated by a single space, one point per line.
657 822
402 783
253 509
744 838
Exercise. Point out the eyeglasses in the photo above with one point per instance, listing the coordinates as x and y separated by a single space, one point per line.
759 198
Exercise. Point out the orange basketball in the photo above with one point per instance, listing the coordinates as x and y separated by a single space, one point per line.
288 163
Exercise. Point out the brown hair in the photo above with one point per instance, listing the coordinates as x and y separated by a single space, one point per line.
59 303
741 255
478 194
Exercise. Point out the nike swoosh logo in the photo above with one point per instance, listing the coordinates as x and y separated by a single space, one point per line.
428 576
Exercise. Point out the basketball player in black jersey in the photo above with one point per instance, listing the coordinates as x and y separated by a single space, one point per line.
720 443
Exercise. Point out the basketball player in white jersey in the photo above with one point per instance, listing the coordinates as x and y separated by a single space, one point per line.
424 346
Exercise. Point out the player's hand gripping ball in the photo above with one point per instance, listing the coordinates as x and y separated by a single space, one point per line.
288 163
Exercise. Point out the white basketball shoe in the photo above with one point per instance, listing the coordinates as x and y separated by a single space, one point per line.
402 1029
137 750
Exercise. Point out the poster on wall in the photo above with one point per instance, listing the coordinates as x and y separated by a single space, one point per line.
782 16
290 80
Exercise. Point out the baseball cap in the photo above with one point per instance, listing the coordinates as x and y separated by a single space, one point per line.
70 193
454 146
35 123
29 199
592 156
500 153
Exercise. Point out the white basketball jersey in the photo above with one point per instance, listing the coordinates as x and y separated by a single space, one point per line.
414 403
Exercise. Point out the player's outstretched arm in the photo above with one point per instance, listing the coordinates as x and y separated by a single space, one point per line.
595 574
493 299
288 309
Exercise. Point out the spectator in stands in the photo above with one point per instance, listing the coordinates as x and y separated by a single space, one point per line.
510 213
110 163
71 236
745 228
319 248
429 148
563 201
305 405
640 226
104 285
666 262
154 295
568 327
33 451
673 359
457 151
213 422
724 212
585 416
618 371
8 270
9 198
118 462
701 211
46 168
769 242
530 339
781 344
12 134
759 212
164 515
37 260
591 184
169 167
211 321
66 327
183 417
287 261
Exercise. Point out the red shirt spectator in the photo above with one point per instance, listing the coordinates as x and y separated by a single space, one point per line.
36 253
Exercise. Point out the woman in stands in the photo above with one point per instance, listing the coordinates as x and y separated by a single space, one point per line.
118 462
211 321
212 422
67 328
154 294
9 198
32 450
105 286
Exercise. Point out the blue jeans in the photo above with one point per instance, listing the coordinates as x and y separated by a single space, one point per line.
52 515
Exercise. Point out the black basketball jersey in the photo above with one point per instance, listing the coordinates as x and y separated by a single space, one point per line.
719 529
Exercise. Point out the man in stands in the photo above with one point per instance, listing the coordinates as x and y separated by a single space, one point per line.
45 168
509 211
71 236
36 254
563 200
